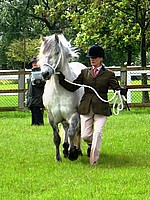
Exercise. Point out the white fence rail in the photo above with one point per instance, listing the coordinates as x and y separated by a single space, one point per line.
125 74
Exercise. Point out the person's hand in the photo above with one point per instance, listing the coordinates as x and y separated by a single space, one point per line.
37 81
123 91
61 76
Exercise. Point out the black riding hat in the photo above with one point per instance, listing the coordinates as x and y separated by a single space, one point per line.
96 51
33 60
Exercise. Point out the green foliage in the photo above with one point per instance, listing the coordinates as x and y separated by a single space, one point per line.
113 24
21 50
116 25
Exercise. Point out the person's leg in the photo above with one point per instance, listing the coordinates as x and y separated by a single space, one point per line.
37 115
99 122
33 118
41 120
87 128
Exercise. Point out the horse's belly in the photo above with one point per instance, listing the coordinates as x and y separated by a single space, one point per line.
61 105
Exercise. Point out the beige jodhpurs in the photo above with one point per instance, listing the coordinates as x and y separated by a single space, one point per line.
91 132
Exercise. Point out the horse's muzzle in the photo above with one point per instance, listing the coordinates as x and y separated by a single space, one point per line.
47 74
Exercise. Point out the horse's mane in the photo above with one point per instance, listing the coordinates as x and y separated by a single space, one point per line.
72 51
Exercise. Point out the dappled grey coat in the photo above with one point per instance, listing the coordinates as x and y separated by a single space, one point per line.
101 83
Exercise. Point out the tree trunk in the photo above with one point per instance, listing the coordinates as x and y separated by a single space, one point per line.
145 96
129 56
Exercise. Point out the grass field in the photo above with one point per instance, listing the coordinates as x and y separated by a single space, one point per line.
28 170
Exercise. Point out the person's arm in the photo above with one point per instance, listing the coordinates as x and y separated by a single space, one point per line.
39 82
68 86
29 94
115 85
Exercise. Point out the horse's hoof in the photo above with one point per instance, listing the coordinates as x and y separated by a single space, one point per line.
65 151
58 159
65 154
73 154
80 152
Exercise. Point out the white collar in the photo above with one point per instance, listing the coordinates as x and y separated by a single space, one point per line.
98 68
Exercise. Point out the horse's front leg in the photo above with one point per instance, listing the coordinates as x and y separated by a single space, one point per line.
56 139
73 151
65 141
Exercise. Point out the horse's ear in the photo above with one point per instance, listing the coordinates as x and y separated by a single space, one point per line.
56 38
43 38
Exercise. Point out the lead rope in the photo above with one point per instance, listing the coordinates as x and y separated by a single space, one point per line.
118 103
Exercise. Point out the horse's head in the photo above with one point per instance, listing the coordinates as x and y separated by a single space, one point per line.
49 56
55 52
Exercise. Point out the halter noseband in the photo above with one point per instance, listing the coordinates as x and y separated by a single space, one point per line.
54 67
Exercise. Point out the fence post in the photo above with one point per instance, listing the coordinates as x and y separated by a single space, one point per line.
21 85
123 75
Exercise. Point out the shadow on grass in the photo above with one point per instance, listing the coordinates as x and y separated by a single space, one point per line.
138 111
118 161
115 160
15 114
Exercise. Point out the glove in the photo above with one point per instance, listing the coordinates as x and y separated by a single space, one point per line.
123 91
37 81
61 76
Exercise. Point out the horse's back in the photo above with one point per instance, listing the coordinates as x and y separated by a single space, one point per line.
76 67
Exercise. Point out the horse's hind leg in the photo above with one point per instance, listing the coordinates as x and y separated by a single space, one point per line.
77 140
56 139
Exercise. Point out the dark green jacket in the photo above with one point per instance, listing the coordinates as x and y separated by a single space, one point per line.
35 93
104 80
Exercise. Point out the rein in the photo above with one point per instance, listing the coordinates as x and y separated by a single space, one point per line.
118 103
119 99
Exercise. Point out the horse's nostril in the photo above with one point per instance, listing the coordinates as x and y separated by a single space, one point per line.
45 74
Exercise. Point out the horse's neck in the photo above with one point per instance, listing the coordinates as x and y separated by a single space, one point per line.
66 70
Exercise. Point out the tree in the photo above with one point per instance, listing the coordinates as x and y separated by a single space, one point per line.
118 26
29 19
19 49
96 22
139 11
15 24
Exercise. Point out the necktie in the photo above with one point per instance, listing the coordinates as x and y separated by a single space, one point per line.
95 72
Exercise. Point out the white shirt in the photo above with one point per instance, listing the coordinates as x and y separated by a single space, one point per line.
98 69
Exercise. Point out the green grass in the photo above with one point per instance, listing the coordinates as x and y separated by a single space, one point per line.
28 170
8 86
9 101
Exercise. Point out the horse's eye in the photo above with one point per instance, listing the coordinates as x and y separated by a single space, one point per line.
50 57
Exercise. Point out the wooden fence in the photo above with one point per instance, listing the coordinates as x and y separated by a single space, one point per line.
20 76
125 74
